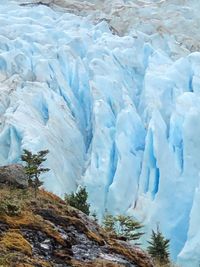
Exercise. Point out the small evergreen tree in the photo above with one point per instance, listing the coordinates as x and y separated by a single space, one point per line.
34 167
159 248
128 227
79 200
109 223
123 226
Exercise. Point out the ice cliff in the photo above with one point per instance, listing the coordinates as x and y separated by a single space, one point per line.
112 89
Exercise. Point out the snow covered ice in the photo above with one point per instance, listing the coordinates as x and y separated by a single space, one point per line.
118 107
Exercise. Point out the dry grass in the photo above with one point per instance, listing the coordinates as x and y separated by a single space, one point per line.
39 214
29 220
97 263
13 259
14 241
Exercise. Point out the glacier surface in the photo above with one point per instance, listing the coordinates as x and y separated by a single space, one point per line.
118 107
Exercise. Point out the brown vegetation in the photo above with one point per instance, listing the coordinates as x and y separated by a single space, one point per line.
61 229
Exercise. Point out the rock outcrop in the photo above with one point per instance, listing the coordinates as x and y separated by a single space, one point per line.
15 175
48 233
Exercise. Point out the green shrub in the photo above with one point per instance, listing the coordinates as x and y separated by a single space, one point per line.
79 200
123 226
10 207
109 223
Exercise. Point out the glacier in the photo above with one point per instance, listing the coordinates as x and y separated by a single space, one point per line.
116 100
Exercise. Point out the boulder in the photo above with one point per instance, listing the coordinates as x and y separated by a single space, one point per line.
14 174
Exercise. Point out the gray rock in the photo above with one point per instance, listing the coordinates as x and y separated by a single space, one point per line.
14 174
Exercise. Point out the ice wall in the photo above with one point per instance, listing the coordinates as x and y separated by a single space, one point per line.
118 115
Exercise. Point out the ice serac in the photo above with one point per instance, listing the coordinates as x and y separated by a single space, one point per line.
120 115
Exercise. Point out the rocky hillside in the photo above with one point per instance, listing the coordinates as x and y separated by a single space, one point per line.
45 232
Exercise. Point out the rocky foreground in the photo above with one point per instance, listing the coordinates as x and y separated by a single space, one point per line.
45 232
